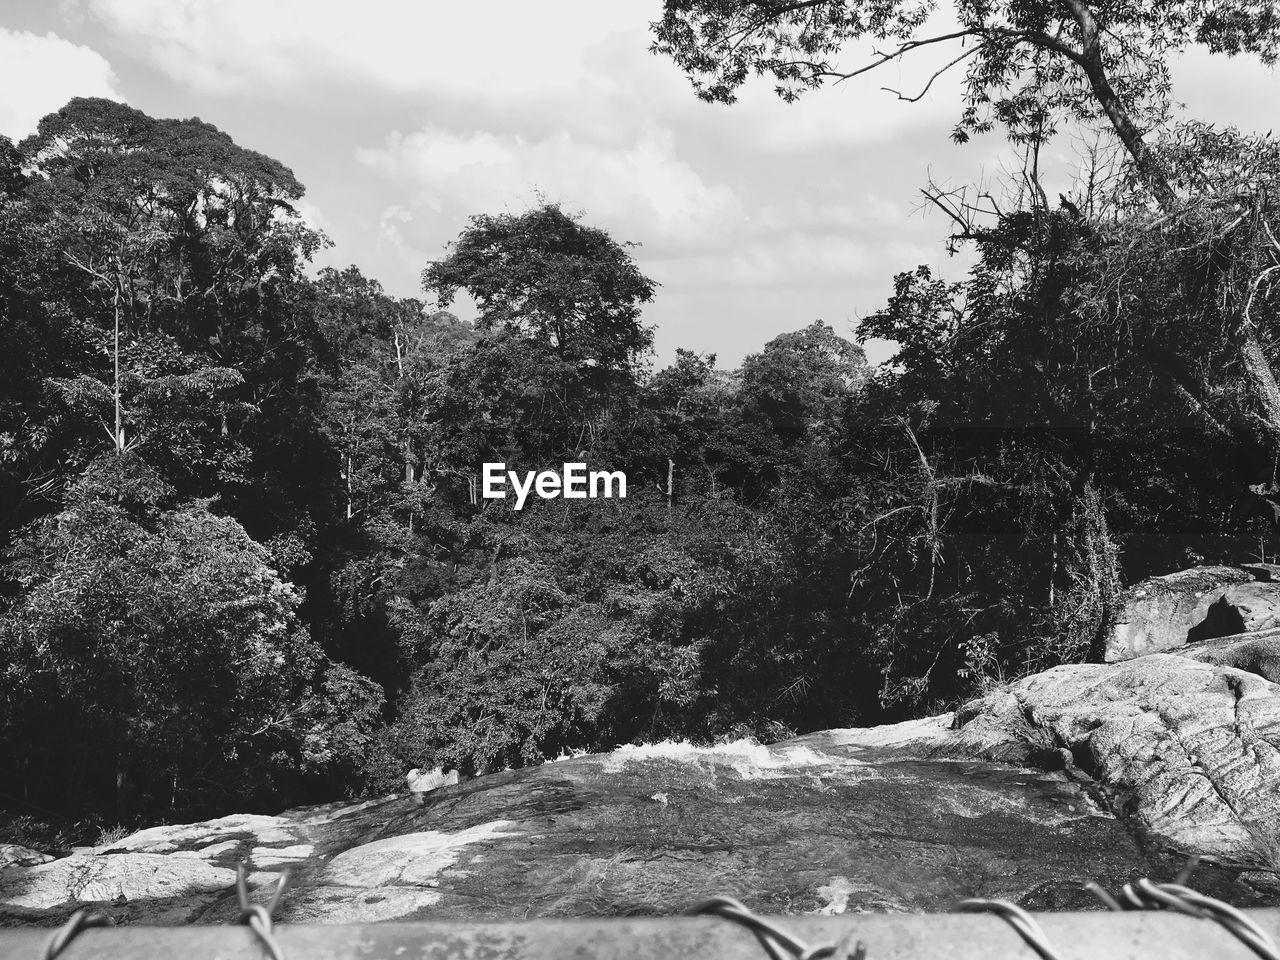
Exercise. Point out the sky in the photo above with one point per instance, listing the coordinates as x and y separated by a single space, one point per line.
404 117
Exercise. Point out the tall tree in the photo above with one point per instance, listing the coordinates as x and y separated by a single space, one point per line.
183 248
801 381
548 274
156 661
1027 66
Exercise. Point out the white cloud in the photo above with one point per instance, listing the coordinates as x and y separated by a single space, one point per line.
580 65
642 191
506 46
1222 90
755 218
312 215
39 74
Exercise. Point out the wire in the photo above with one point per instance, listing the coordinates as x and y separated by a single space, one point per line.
78 921
1146 895
257 916
772 938
1019 919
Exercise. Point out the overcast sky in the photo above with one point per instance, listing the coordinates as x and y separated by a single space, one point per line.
402 118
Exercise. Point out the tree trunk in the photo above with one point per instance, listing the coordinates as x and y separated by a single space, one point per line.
1090 61
1097 574
1259 378
122 783
1129 135
115 387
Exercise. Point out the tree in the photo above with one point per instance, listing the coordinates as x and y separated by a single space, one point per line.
181 263
155 660
545 273
12 179
1027 64
376 342
802 380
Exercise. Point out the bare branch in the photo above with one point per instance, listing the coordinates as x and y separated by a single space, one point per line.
906 46
1253 290
936 74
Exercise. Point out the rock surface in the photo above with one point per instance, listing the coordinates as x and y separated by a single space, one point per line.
420 781
1257 653
1162 613
13 855
1188 750
907 817
1170 612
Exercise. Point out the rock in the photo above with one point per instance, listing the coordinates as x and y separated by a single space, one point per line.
1221 615
1189 751
913 816
172 874
1256 604
184 883
1264 572
1252 652
1164 613
12 855
407 860
420 782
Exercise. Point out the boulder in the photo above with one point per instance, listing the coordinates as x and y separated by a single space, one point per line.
425 782
1252 652
1264 572
1168 612
1256 604
1187 751
13 855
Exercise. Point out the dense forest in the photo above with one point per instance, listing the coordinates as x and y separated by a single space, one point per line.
245 562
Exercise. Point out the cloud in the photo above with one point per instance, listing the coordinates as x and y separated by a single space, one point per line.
755 218
1222 90
576 65
276 47
643 190
39 74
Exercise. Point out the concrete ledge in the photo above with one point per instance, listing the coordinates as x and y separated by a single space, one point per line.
1146 935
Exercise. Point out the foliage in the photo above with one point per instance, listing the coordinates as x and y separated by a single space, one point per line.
546 273
1025 63
274 578
155 656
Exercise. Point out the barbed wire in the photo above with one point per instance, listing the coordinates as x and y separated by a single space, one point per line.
256 915
1145 895
779 944
1016 917
80 920
771 936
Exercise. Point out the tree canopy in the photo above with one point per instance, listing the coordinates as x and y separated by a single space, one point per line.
545 272
1026 64
244 562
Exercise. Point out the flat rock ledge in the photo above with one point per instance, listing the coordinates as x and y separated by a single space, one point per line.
1092 771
